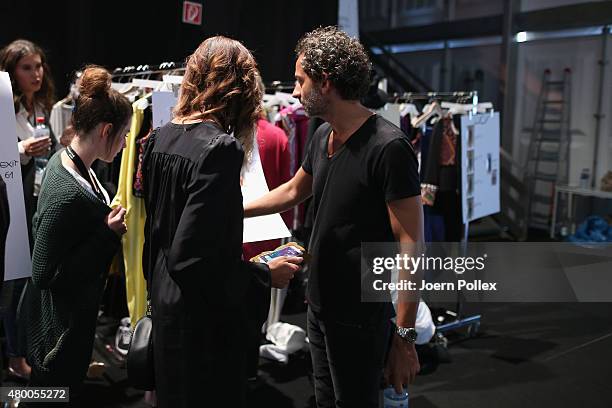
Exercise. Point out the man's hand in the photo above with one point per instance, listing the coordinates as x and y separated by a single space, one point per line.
35 147
402 365
282 270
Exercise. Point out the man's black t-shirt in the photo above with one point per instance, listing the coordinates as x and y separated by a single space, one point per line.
351 189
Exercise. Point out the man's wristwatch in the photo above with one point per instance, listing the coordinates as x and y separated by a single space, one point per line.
408 334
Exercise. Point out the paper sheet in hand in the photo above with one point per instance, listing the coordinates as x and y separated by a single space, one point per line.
254 186
17 262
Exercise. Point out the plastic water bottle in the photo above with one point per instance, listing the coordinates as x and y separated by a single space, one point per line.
41 130
394 400
584 178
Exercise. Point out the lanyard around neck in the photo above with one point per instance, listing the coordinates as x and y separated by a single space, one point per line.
86 175
31 118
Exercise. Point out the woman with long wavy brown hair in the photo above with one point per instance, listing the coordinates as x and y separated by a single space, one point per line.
202 292
33 96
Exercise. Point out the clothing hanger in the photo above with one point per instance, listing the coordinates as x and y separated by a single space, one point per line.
430 110
409 109
465 108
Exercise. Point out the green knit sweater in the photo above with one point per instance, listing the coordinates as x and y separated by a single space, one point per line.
73 249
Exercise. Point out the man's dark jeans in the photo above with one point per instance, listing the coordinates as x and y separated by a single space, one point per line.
348 361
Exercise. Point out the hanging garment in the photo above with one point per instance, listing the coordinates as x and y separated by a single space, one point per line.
440 155
433 225
440 164
273 148
433 222
274 153
135 216
448 153
294 121
141 140
60 117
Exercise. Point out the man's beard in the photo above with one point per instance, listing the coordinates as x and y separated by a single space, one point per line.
315 104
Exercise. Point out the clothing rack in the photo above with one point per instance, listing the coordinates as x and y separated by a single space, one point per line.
279 86
407 97
471 322
147 70
434 95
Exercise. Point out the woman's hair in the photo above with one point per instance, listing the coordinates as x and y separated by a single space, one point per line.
220 84
98 102
9 58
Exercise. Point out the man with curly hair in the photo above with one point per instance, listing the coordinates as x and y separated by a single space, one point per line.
362 174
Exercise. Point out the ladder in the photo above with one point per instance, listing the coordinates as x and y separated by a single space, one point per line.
548 154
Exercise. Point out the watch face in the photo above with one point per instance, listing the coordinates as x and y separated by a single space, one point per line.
408 334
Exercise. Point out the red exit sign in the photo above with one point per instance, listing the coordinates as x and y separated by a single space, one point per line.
192 13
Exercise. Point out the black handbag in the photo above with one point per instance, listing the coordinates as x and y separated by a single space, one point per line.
140 368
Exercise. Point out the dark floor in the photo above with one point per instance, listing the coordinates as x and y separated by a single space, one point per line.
527 355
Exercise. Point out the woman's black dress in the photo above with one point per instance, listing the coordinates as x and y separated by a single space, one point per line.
203 294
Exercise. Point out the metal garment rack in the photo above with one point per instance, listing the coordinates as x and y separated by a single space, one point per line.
471 322
425 95
145 71
280 86
467 96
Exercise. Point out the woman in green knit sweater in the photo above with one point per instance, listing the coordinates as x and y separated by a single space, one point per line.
76 236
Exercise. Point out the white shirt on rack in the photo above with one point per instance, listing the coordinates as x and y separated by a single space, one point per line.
60 117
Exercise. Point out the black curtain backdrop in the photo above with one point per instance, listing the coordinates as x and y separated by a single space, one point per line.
119 33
